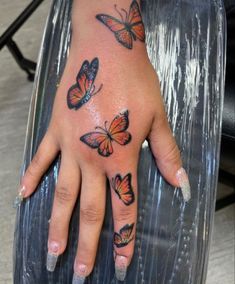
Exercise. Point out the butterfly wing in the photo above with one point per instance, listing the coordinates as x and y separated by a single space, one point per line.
82 81
98 140
105 148
74 97
117 129
93 139
117 239
91 73
87 75
115 182
112 23
125 38
118 28
80 93
126 231
124 238
135 21
124 189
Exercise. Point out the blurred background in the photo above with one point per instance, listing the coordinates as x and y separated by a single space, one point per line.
15 93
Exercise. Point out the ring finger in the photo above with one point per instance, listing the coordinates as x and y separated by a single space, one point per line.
123 184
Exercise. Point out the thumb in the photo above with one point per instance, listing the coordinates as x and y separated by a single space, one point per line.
167 155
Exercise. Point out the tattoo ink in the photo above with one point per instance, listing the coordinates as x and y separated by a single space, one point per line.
123 238
130 27
103 139
84 88
123 188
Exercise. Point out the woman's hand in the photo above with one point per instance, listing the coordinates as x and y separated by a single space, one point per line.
108 102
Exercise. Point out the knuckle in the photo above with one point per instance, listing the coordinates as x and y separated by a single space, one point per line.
161 120
37 160
173 153
34 166
31 172
125 215
91 214
63 195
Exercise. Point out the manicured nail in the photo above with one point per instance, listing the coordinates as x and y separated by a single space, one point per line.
52 255
80 275
19 198
78 279
120 267
183 180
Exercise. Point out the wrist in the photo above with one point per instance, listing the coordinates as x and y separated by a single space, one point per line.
107 27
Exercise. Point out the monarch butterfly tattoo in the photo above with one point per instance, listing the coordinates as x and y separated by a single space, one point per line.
130 27
123 238
84 88
123 188
103 139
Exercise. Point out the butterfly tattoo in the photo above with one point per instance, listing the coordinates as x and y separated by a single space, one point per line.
84 88
123 188
130 27
123 238
103 139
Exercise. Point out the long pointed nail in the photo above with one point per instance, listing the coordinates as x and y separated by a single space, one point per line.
52 256
78 279
183 180
80 275
120 267
19 198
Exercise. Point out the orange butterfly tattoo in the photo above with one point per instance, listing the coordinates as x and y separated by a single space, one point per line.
123 238
123 188
84 89
130 27
103 139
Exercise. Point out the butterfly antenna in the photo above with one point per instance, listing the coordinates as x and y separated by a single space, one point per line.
126 15
94 93
101 128
105 125
119 13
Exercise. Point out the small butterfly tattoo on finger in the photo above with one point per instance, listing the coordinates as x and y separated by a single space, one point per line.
84 88
123 188
130 27
103 139
123 238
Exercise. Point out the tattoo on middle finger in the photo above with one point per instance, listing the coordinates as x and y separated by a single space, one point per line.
124 237
123 188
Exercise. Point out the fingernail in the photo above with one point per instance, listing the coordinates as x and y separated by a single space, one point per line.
78 279
52 255
120 267
80 275
19 198
183 180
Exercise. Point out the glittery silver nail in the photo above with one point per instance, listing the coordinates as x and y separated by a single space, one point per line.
51 261
19 198
120 267
183 180
78 279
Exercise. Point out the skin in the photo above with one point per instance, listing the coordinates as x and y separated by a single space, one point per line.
129 82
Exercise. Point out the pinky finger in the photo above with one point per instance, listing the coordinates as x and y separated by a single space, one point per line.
41 161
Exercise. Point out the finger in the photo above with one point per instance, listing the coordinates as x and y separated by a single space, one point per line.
123 185
44 156
66 193
167 154
92 208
